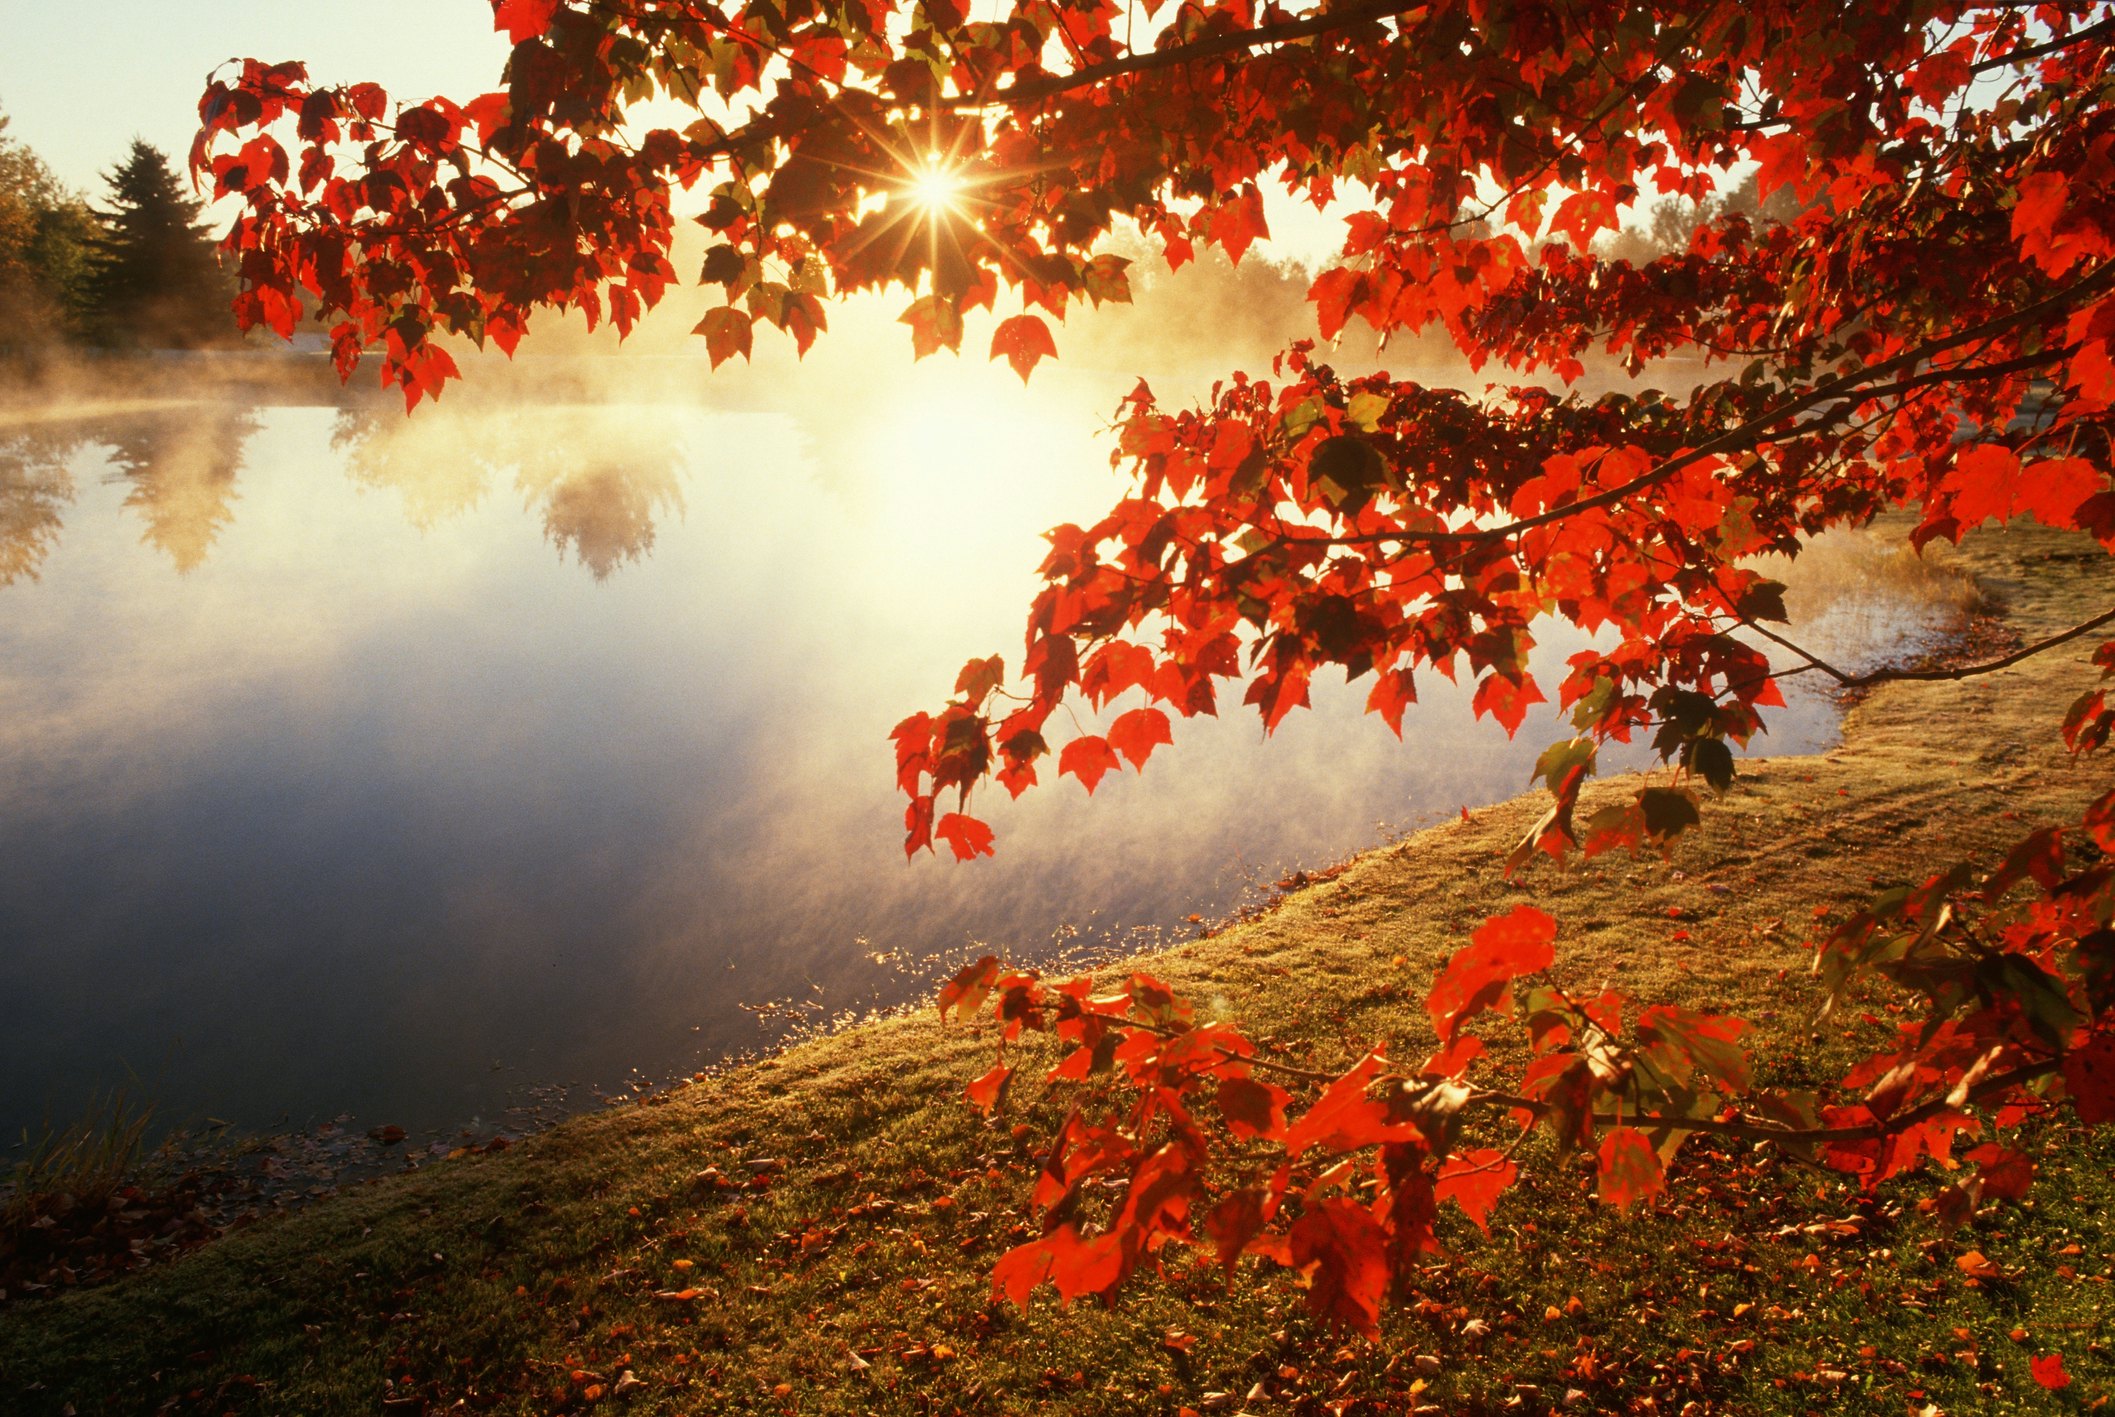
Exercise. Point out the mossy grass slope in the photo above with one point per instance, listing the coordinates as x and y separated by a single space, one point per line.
839 1262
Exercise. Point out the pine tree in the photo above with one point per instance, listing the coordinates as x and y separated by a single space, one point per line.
154 280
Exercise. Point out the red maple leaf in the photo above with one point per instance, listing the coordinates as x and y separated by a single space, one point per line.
2089 1077
1503 948
1237 223
1136 733
1088 759
1508 699
1023 341
1344 1118
967 989
523 19
2054 489
1474 1180
1344 1250
1251 1108
2006 1174
967 837
1020 1270
1981 484
986 1091
1630 1168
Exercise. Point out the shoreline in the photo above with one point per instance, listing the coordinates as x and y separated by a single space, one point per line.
560 1255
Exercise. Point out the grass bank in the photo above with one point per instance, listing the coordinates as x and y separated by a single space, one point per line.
833 1256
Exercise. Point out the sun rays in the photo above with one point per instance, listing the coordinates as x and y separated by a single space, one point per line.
938 185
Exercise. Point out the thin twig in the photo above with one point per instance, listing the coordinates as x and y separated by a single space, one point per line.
1965 671
1764 1131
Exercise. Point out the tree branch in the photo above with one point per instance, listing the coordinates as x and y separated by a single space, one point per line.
2087 35
1843 388
1739 1129
1929 676
1991 1086
1969 671
1321 22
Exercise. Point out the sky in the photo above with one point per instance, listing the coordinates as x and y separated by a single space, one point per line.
80 80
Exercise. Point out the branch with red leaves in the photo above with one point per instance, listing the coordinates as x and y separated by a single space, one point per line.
1178 1140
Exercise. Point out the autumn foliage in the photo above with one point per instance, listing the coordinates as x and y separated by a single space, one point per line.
1928 329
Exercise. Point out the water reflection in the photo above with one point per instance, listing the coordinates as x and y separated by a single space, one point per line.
178 470
598 485
35 490
383 808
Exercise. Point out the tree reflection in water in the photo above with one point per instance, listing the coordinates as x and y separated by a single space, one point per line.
35 490
598 477
179 469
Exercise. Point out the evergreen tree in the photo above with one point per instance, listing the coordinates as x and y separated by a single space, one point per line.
153 278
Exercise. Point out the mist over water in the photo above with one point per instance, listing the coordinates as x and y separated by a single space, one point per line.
351 763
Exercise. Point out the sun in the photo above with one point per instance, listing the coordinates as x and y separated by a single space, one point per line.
936 185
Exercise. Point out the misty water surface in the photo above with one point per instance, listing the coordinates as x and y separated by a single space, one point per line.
351 764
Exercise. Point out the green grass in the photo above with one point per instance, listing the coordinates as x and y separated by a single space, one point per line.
853 1278
86 1161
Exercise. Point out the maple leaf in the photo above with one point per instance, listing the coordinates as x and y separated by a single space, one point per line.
2054 489
1019 1271
727 332
1584 215
1091 1266
2048 1370
1088 758
1237 222
967 837
918 825
2089 1078
936 324
1507 699
2035 213
1474 1180
1345 1118
1981 484
986 1091
1335 294
523 19
1629 1168
2092 373
1022 341
1393 691
1253 1109
979 677
1477 977
1135 734
1237 1220
2006 1174
1977 1265
967 990
1343 1251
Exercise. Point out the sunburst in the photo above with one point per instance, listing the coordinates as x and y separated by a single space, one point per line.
937 185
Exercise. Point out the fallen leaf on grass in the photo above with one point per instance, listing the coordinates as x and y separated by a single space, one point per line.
2048 1370
1977 1265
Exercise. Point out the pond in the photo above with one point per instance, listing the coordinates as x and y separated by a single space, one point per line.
413 768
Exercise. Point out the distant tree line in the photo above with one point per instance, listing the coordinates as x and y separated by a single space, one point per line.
137 272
